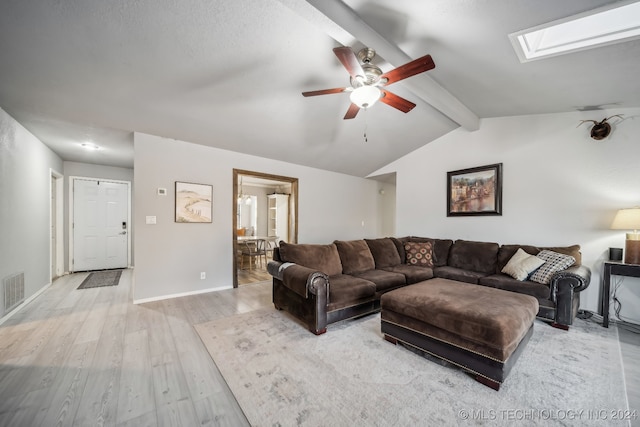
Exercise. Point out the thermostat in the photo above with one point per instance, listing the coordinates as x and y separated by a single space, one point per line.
162 191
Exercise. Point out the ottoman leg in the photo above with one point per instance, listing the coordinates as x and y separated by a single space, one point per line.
559 326
392 340
489 383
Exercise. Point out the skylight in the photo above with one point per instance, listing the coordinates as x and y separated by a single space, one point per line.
598 27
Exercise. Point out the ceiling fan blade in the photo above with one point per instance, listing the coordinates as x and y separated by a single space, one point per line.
396 101
349 60
352 111
409 69
324 91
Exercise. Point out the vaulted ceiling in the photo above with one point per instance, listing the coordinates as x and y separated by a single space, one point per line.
229 74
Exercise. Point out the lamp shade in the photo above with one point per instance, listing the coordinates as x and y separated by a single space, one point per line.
627 219
365 96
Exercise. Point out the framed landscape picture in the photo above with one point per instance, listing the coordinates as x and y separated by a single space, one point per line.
475 191
194 202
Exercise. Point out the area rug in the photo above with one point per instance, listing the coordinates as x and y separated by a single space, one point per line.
281 374
98 279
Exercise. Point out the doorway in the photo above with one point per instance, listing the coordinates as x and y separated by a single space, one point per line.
265 207
100 217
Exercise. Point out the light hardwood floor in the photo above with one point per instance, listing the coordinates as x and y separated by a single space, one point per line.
255 275
91 357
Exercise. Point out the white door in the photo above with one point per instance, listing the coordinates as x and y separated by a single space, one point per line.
100 228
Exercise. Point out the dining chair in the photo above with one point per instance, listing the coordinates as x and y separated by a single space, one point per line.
271 243
255 250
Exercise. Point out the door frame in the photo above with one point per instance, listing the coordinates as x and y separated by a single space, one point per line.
293 217
72 179
56 225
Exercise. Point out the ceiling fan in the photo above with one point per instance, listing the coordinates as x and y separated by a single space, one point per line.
367 80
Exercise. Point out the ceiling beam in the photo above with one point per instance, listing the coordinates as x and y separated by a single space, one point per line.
422 85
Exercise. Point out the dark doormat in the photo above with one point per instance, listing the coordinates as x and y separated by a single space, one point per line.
101 278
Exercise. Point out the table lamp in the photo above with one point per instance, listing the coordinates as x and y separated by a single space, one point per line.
629 219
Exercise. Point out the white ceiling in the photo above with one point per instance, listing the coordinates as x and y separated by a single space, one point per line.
229 74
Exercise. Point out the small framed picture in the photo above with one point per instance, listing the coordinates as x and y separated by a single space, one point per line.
194 202
475 191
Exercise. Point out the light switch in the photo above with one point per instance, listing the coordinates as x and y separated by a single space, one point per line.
151 219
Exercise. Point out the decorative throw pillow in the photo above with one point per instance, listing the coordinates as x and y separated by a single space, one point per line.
554 262
522 264
420 254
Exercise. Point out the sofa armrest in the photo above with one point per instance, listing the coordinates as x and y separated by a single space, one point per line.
573 279
301 280
565 288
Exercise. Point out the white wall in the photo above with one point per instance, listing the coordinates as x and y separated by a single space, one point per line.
25 176
386 209
560 187
170 256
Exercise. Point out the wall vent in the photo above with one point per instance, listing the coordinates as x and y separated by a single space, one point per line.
13 291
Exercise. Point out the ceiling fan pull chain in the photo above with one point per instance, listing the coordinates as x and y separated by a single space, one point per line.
365 125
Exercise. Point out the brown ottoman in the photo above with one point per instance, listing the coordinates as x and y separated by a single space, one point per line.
483 330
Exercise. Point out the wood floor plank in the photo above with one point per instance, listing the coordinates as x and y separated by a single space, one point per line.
149 419
135 394
31 344
47 352
159 333
202 376
28 409
169 383
137 318
220 409
180 413
200 310
99 402
93 323
66 392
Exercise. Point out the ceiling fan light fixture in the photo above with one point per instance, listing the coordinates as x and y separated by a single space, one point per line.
365 96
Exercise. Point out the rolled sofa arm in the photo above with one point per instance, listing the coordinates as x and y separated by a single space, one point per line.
299 279
573 279
565 287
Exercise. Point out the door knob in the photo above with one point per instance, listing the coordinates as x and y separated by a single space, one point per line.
124 232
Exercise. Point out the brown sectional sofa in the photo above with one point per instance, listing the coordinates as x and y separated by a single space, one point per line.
323 284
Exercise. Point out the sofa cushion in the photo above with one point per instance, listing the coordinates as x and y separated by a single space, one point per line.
324 258
346 290
522 264
419 254
554 262
573 250
355 256
412 273
384 252
383 279
474 256
399 242
507 251
441 248
458 274
507 283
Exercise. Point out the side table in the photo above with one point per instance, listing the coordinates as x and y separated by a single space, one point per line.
614 268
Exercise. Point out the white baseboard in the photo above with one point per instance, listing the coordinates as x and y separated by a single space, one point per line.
182 294
25 302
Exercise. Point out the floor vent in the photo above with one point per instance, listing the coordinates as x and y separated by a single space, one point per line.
13 291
